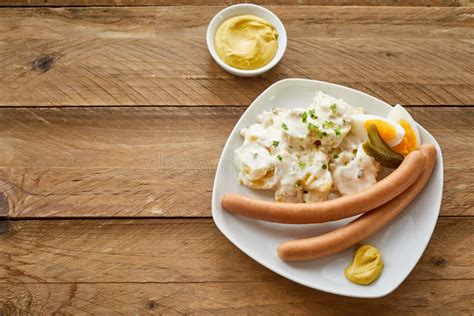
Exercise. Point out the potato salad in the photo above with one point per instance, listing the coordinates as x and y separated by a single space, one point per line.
306 154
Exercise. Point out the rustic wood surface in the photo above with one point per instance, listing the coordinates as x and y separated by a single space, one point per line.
184 266
113 110
61 3
440 297
177 250
158 56
126 161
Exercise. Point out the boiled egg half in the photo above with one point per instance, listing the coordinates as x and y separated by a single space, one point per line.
391 132
411 141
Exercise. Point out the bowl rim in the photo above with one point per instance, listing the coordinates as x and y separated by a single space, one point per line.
242 72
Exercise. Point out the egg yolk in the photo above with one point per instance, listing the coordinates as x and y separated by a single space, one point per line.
408 142
386 130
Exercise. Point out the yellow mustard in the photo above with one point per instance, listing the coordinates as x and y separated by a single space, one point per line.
246 42
366 266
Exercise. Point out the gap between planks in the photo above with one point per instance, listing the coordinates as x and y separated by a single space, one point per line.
164 3
122 218
191 106
202 282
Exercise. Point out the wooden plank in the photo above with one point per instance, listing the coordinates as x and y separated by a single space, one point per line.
228 298
112 161
177 250
425 3
159 161
157 55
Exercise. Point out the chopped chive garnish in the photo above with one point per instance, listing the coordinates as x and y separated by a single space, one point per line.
336 156
328 124
275 143
333 108
284 126
337 130
324 166
312 114
298 184
312 127
279 158
304 116
302 165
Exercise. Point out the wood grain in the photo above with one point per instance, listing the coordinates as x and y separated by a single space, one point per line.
93 160
157 55
427 3
229 298
187 266
159 161
177 250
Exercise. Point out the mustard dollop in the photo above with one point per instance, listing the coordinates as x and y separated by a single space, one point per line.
366 266
246 42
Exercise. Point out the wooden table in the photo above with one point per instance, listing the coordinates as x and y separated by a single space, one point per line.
113 116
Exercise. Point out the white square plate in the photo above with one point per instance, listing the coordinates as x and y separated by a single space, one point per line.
401 242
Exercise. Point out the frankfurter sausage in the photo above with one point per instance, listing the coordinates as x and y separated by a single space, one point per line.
361 228
303 213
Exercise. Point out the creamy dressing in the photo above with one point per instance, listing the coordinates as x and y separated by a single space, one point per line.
305 154
355 174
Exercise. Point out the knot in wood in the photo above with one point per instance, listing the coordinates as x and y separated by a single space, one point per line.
438 261
152 305
45 62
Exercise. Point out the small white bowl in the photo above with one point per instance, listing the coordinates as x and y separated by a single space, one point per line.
240 9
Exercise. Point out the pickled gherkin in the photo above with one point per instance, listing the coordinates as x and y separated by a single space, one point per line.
378 148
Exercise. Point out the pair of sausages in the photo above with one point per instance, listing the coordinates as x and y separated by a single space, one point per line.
385 200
